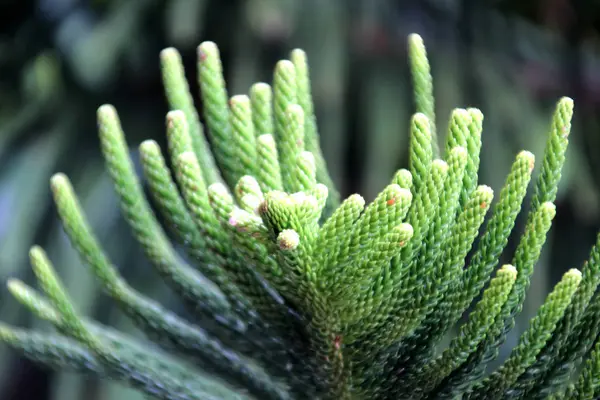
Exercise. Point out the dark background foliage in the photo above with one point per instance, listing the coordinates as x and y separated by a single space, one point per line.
61 59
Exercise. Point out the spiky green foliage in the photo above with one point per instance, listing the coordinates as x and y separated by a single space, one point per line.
292 295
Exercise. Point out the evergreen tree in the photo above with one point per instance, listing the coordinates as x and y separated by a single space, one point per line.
297 294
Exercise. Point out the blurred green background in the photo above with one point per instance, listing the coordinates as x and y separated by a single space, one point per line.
61 59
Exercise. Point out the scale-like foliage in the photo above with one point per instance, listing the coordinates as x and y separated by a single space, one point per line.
295 295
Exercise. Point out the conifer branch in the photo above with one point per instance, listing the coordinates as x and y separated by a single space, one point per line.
295 294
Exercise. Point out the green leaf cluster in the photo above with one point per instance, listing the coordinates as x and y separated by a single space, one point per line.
294 293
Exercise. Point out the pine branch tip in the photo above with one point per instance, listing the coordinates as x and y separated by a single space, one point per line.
149 147
239 100
357 198
298 53
440 165
420 118
266 139
548 207
508 269
106 111
460 151
415 39
529 156
285 66
574 272
175 115
58 181
207 49
260 87
14 286
288 239
187 158
218 188
169 52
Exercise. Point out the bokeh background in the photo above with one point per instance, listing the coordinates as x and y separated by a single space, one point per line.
61 59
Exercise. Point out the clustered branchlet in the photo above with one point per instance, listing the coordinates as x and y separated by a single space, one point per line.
298 294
